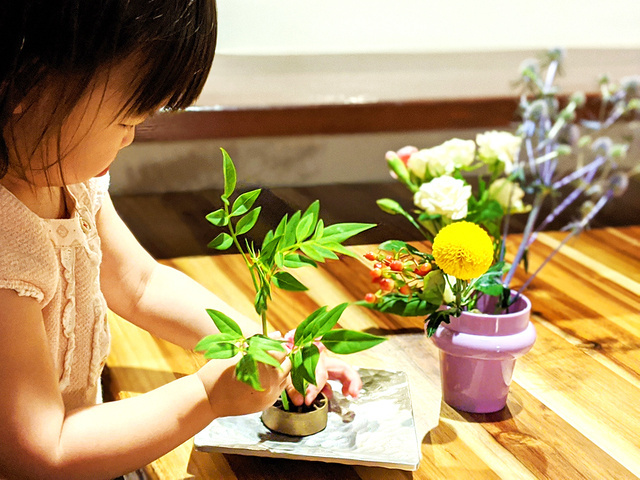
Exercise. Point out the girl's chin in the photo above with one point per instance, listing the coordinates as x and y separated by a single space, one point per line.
103 173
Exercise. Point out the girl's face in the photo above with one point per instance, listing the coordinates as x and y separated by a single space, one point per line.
90 137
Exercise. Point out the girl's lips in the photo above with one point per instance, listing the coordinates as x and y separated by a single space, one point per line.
103 173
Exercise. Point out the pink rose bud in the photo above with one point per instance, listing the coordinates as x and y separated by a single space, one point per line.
390 154
405 152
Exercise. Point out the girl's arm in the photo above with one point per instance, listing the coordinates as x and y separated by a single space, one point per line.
157 298
42 440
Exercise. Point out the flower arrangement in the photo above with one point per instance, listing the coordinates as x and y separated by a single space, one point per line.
518 173
300 241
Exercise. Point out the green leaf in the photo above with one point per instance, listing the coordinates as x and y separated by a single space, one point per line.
290 230
295 260
327 252
217 338
261 355
313 211
398 304
269 250
298 372
435 319
244 202
221 242
209 340
229 176
218 218
349 341
247 372
280 229
391 207
433 287
305 324
310 357
326 322
266 343
247 222
490 282
319 230
224 323
337 248
311 252
286 281
220 351
343 231
305 228
267 238
393 246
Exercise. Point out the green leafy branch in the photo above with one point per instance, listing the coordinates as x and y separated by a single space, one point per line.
298 241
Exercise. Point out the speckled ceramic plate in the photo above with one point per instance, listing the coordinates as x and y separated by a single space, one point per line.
376 429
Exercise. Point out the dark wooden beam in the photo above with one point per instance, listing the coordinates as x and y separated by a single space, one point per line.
204 122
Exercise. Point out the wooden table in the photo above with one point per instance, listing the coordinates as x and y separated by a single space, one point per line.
574 405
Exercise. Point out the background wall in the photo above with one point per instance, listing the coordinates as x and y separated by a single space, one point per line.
270 27
286 52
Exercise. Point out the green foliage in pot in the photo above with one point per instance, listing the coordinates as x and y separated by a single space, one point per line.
298 241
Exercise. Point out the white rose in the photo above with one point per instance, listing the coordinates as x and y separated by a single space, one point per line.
442 159
460 152
507 193
495 146
445 195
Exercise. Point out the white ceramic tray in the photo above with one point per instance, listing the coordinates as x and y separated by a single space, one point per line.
375 429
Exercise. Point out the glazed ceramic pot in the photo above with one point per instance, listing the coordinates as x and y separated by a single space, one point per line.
478 353
297 424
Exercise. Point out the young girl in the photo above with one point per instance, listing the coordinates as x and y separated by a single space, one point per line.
76 77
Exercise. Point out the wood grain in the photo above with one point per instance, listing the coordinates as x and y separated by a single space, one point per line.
572 411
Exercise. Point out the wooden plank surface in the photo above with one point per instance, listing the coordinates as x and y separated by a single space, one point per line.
574 405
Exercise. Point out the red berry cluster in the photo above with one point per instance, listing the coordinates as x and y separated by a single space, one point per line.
400 273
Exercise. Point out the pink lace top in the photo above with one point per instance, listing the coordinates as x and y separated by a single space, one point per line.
57 262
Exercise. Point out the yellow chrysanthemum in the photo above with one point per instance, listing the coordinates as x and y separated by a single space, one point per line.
463 250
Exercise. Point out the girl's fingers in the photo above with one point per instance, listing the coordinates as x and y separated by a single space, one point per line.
346 375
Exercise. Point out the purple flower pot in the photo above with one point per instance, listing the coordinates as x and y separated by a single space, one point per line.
478 353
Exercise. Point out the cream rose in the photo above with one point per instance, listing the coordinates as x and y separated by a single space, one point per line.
501 147
445 195
460 152
442 159
507 193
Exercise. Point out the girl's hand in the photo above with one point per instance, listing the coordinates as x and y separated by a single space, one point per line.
329 368
229 396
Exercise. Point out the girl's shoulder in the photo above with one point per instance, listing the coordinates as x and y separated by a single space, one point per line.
27 257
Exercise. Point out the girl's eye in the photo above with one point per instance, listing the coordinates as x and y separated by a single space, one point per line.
126 125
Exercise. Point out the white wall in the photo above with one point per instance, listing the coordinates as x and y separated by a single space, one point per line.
250 27
285 52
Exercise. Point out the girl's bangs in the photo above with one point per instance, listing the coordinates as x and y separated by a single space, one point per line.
175 64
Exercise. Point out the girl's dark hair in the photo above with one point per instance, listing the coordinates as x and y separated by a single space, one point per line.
59 46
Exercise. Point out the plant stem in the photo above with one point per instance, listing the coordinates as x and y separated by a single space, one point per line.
533 215
285 401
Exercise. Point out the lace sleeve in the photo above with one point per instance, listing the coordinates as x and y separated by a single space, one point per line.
98 188
27 258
